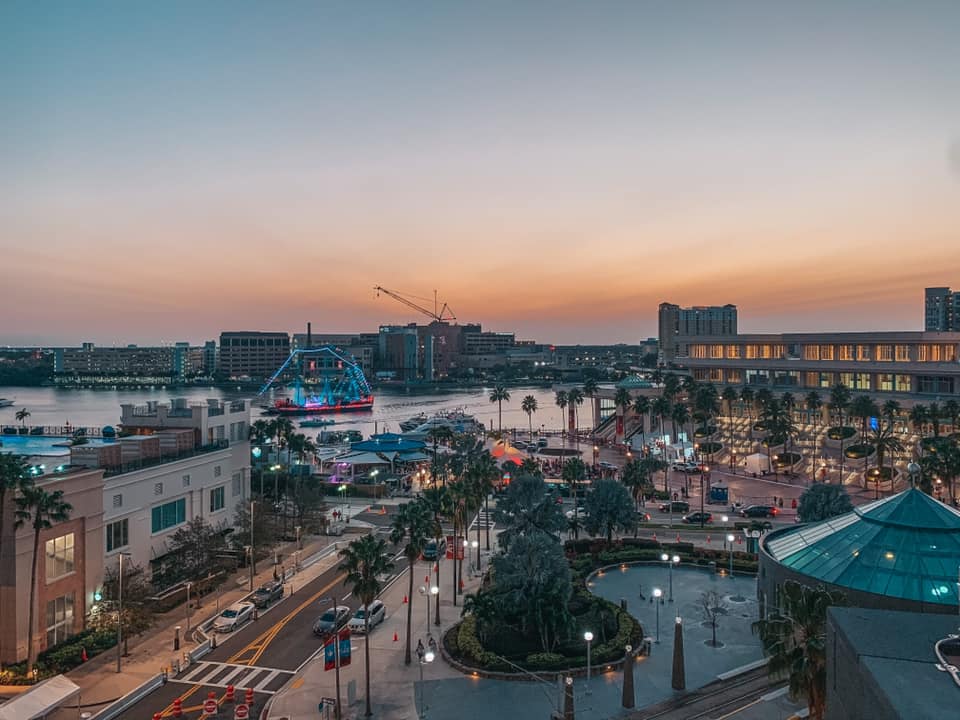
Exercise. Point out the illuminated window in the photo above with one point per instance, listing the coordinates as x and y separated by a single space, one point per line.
733 352
846 352
826 380
811 352
698 351
846 378
863 352
716 375
903 383
826 352
902 353
861 381
811 379
949 353
885 382
59 619
59 557
716 352
735 376
753 352
884 353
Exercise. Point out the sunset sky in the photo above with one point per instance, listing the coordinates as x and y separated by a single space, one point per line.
170 170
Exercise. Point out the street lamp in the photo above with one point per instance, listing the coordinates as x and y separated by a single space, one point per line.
913 469
725 519
596 454
425 656
658 601
588 636
671 561
189 585
476 546
730 540
120 608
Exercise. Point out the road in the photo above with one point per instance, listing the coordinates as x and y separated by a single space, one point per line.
262 655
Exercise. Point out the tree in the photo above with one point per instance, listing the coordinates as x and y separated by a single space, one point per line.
527 508
196 549
671 386
590 388
13 479
679 415
935 414
622 401
943 463
44 510
839 401
534 585
712 608
794 637
884 441
264 528
137 591
22 415
574 472
641 407
562 401
919 417
951 410
821 501
575 398
609 509
259 430
365 561
412 523
636 477
864 408
529 406
498 395
484 605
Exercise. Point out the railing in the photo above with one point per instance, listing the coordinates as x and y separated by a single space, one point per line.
52 430
163 459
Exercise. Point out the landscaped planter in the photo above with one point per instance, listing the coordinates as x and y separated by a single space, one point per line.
852 436
704 433
887 484
859 451
709 448
788 461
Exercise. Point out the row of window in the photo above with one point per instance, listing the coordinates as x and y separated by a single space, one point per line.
927 352
879 382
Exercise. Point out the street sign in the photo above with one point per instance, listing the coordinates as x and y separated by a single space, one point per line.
210 706
241 712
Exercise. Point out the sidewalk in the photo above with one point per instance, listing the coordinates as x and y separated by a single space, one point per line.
99 682
393 685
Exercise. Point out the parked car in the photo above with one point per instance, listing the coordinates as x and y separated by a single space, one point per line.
686 467
676 506
430 550
609 465
332 620
542 443
764 511
266 594
698 517
233 617
643 516
378 612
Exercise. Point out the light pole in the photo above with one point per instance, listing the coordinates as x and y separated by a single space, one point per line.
120 609
189 584
428 594
299 539
253 568
725 520
476 546
702 468
658 600
730 540
596 455
913 470
588 636
671 561
425 656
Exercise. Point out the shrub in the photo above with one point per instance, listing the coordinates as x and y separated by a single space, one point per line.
860 450
546 661
841 433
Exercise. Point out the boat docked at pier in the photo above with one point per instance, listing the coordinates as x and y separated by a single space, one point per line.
455 420
324 380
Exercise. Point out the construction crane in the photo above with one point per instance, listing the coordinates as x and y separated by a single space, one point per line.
443 315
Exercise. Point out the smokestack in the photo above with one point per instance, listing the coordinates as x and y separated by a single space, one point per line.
309 336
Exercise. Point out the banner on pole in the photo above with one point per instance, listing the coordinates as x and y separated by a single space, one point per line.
329 654
344 647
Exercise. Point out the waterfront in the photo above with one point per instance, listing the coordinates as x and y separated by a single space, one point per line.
95 408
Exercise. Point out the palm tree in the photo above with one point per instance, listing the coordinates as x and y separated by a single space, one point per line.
574 472
413 522
575 398
460 497
936 414
483 474
641 406
679 415
794 636
671 386
919 417
529 406
951 410
22 415
622 401
44 509
890 410
839 401
747 397
437 499
365 561
498 395
562 401
884 440
590 388
813 404
864 408
13 479
259 431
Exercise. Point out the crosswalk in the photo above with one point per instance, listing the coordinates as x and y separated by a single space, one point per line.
484 518
215 674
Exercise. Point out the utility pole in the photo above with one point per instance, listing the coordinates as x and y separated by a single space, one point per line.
253 561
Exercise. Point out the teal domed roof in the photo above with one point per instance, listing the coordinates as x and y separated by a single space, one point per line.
905 546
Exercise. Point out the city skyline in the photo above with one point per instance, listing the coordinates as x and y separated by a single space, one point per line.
552 169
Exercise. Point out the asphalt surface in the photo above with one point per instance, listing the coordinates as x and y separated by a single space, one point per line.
263 655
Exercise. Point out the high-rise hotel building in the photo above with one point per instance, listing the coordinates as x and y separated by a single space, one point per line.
678 325
941 310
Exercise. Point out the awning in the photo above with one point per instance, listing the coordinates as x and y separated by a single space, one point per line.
363 458
504 451
412 457
40 700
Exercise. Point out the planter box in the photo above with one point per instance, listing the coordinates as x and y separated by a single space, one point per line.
835 444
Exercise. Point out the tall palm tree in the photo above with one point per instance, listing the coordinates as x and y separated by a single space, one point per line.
44 509
839 401
413 523
729 397
671 386
679 415
562 401
259 430
460 498
890 410
641 407
498 395
794 637
622 402
590 388
936 414
529 406
575 398
884 441
574 472
22 415
365 560
864 408
813 404
437 499
747 397
919 417
951 410
13 479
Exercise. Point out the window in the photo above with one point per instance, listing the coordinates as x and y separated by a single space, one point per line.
216 471
59 556
885 382
863 352
217 498
118 501
903 383
186 480
861 381
716 352
884 353
735 377
716 375
237 479
168 515
59 619
826 380
826 352
846 378
118 535
902 353
846 352
733 352
158 488
698 351
753 352
811 352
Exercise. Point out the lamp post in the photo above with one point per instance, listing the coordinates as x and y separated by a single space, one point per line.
596 454
253 568
425 656
658 600
120 609
730 540
588 636
299 539
189 584
671 561
725 520
702 517
913 470
476 546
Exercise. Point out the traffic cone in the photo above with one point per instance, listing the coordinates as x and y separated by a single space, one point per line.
678 537
405 601
230 692
83 654
654 537
177 707
708 539
248 697
395 638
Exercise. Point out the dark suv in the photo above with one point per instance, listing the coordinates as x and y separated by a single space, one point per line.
677 506
266 594
763 511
